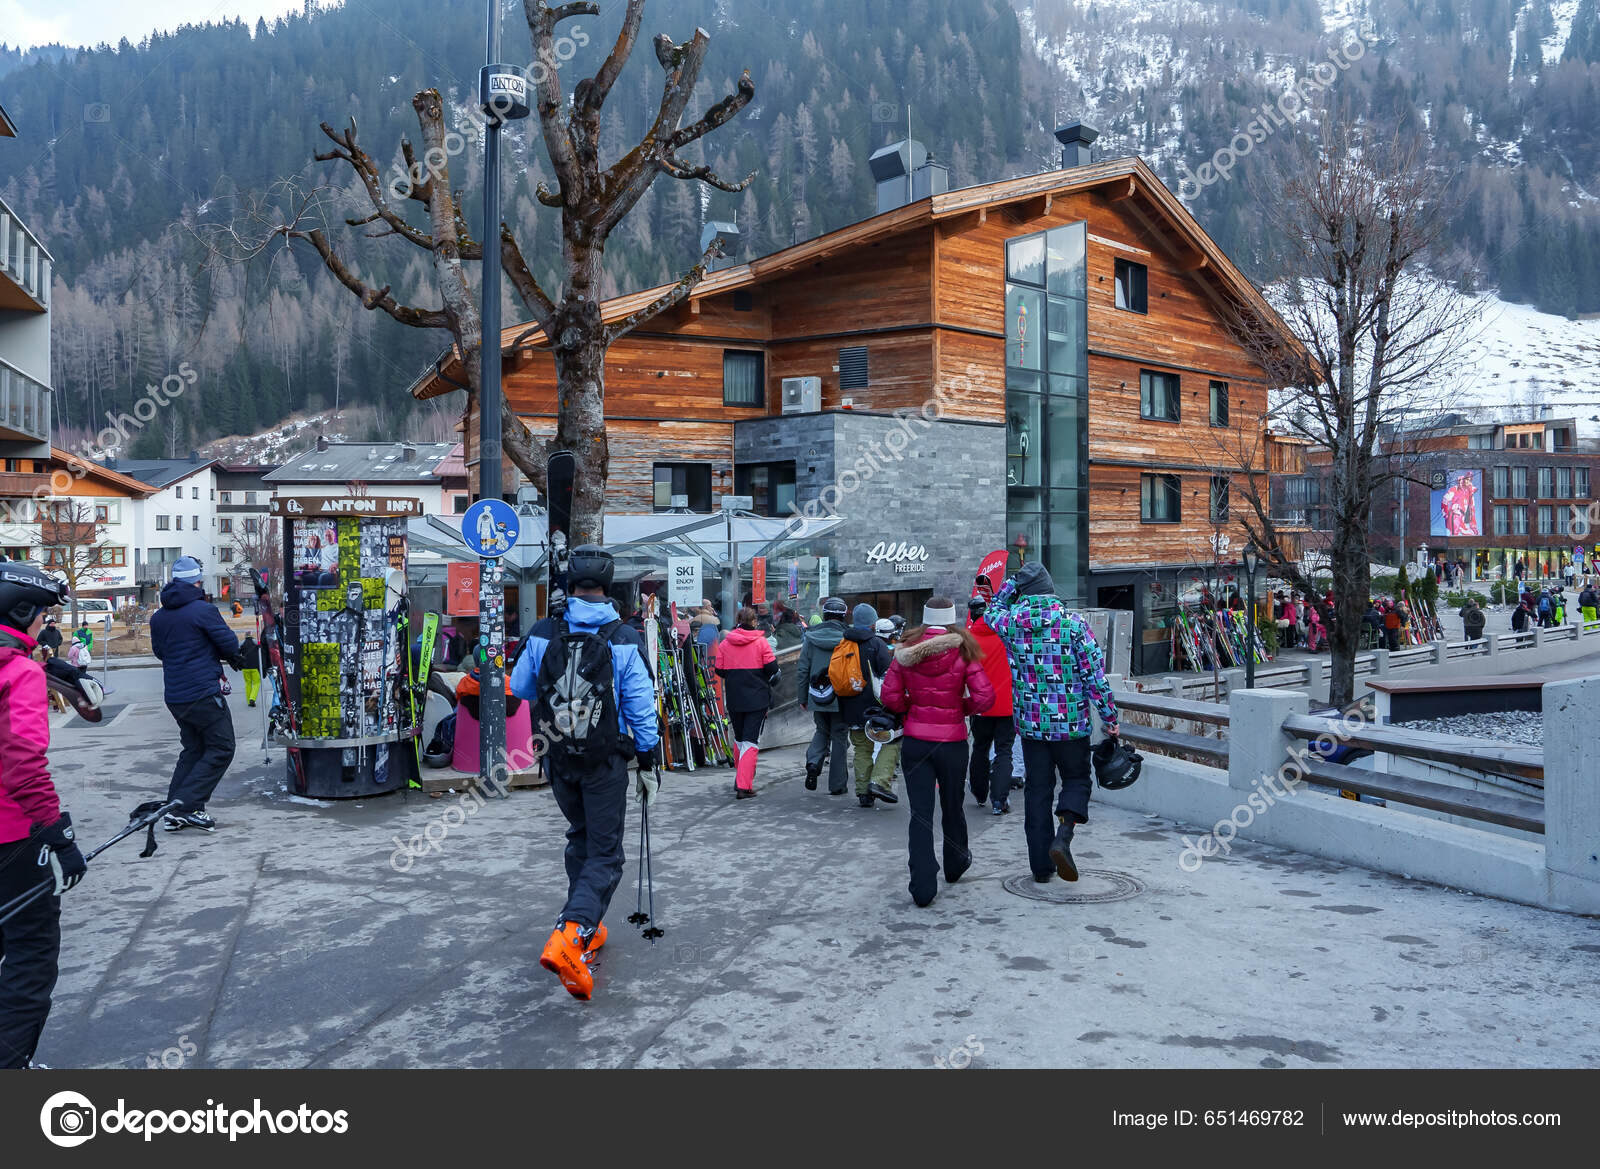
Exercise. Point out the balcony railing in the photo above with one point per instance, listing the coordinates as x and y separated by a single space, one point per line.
23 258
24 405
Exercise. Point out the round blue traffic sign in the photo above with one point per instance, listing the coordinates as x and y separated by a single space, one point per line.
490 527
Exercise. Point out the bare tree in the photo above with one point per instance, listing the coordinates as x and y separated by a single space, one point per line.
259 544
593 200
1379 338
72 543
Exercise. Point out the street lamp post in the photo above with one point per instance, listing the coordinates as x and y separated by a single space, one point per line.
1252 561
503 95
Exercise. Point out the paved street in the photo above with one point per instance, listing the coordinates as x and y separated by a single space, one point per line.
288 940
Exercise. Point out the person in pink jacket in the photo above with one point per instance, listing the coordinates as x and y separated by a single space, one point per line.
749 671
36 837
936 680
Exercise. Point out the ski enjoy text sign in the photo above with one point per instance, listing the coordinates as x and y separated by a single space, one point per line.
683 582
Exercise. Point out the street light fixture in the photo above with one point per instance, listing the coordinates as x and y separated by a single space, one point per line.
1252 561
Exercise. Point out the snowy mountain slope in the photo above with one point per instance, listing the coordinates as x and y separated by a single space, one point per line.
1523 360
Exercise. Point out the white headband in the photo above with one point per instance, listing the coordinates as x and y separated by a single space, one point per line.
932 616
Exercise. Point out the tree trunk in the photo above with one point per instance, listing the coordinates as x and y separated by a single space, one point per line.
580 354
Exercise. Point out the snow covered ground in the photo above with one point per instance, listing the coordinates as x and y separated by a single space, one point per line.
1523 359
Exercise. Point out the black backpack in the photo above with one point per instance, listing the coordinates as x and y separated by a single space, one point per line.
577 706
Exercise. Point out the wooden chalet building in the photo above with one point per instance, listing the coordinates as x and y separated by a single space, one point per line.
1040 364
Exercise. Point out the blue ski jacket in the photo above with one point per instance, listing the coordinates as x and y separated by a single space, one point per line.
192 641
636 693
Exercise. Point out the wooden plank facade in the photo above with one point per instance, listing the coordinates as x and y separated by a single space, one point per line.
923 289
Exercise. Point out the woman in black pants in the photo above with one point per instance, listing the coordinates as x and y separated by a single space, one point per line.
750 669
936 680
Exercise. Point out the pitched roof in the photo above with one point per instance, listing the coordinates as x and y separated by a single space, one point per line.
161 473
1165 212
94 470
367 462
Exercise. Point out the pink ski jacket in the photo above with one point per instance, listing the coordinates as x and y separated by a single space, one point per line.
27 797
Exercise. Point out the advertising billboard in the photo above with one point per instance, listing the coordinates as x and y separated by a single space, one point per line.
1457 505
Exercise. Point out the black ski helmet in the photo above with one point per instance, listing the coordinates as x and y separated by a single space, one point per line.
880 725
1116 764
834 607
590 566
25 591
975 607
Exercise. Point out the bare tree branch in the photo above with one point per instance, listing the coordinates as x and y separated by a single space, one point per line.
673 296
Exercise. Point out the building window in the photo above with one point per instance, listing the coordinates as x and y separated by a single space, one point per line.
1502 483
1046 327
1519 521
1219 403
249 498
1519 483
196 527
213 495
1502 520
1546 483
163 523
225 526
770 487
225 554
1580 482
1480 442
460 504
743 378
1158 395
1159 499
1547 520
1219 499
102 513
1131 286
113 557
853 368
227 497
1563 482
683 485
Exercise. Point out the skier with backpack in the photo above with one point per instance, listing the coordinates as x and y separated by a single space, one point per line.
594 703
860 675
831 741
36 836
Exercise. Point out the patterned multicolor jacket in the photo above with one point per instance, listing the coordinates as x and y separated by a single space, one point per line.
1057 667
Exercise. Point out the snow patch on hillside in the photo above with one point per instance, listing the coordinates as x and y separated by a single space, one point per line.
1524 361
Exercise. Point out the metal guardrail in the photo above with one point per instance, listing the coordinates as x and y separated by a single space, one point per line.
1487 755
23 258
24 402
1485 807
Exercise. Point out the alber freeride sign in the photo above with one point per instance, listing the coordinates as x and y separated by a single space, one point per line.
905 557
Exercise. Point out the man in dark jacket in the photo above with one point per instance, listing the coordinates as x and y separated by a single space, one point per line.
874 778
192 641
1472 620
50 637
832 736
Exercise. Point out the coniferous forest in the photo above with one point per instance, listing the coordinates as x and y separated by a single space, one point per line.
127 153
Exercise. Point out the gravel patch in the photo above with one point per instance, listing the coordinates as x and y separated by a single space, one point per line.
1523 727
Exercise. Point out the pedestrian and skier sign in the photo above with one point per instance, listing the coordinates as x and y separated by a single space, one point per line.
490 527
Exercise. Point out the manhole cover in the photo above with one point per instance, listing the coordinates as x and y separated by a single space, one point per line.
1092 887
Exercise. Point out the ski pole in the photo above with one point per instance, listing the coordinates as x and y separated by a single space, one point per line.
653 931
140 820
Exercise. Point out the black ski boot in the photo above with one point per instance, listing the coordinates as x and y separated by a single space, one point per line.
865 800
811 777
1061 851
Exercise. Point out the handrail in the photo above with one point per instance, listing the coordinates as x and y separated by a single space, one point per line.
1485 807
1211 751
1487 755
1212 713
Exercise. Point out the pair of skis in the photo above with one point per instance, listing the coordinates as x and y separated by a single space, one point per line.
418 670
281 718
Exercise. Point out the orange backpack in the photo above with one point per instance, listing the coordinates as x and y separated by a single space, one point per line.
844 669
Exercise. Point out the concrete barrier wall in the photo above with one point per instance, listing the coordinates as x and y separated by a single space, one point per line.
1256 800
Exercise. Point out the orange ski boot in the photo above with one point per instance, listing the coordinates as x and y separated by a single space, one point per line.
563 957
598 940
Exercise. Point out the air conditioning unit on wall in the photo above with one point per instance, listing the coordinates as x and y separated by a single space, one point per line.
802 395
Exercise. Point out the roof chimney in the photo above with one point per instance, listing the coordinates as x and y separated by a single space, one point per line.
408 453
729 233
1075 139
322 443
194 455
892 167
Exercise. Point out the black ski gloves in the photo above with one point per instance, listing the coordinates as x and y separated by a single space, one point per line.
65 861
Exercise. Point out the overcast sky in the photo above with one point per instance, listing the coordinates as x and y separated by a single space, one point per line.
25 23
